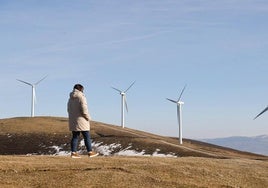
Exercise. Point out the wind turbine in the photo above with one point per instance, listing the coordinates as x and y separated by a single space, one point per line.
123 103
33 92
179 104
262 112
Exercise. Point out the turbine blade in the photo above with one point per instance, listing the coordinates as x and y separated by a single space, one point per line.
117 89
25 82
130 86
125 101
261 112
40 80
182 92
171 100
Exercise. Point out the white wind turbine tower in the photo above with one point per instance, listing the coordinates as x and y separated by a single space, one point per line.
179 104
123 103
262 112
33 92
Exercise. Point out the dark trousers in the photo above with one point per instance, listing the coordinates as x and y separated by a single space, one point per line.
75 138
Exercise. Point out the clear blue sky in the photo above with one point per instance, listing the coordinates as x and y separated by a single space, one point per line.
218 48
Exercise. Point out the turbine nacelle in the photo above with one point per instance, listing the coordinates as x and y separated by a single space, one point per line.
177 102
180 102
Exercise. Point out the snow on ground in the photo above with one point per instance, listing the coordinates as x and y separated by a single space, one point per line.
112 149
59 151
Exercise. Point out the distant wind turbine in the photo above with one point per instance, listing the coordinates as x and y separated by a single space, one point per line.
261 112
123 103
179 104
33 92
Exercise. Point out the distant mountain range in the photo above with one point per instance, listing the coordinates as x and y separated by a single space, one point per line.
256 144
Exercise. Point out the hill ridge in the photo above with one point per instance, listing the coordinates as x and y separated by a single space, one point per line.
38 135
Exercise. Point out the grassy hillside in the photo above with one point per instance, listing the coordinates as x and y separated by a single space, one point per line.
196 164
38 136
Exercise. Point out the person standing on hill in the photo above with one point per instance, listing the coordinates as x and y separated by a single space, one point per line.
79 120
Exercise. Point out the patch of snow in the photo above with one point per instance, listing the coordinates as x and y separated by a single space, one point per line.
108 150
127 152
156 154
59 152
105 150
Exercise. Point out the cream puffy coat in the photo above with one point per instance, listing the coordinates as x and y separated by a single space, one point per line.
79 116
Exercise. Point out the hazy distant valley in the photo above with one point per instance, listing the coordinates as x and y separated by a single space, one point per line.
256 144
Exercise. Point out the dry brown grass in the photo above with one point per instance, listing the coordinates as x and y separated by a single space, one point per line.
21 125
51 171
37 135
198 165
